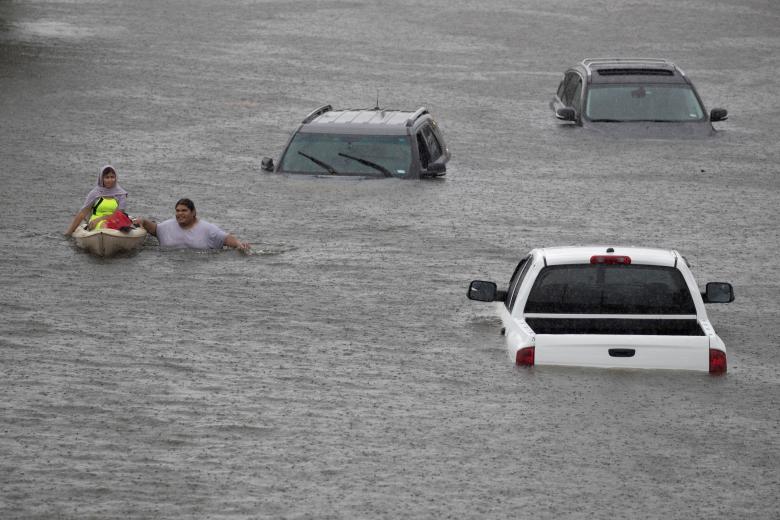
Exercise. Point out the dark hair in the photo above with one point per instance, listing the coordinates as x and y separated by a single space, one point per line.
106 170
185 202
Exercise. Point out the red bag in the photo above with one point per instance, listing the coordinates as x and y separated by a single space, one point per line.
119 220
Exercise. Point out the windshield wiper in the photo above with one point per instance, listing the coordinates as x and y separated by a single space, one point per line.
323 164
378 167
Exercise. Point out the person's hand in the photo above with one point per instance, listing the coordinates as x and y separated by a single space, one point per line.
233 241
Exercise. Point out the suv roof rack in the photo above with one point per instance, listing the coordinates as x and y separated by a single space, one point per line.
588 62
417 114
317 112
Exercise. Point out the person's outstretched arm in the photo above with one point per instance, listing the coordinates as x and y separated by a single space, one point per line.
232 241
149 225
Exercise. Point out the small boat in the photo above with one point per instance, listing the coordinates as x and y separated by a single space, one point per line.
109 242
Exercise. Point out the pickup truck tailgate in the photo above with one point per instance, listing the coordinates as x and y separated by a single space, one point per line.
623 351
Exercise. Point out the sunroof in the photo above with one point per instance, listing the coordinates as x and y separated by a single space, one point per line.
635 72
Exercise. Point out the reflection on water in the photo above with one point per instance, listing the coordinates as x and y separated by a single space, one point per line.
48 29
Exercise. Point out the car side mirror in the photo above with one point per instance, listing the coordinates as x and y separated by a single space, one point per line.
566 114
435 169
267 164
718 292
719 114
482 291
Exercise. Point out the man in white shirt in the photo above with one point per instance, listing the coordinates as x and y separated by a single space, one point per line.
186 230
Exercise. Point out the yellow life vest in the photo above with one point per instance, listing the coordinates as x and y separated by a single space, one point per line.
103 207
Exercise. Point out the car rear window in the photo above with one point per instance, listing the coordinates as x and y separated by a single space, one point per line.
610 289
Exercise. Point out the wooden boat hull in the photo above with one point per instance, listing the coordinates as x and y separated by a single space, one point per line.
109 242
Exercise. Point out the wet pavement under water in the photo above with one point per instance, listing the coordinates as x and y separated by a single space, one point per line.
340 371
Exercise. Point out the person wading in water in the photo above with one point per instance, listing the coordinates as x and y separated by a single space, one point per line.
186 230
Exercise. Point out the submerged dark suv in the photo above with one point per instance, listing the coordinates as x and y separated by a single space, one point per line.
366 143
639 93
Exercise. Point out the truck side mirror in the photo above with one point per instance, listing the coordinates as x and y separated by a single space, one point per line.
482 291
718 292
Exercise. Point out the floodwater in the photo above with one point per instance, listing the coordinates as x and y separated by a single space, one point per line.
340 371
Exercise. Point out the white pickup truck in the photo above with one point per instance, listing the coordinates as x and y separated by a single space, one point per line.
611 307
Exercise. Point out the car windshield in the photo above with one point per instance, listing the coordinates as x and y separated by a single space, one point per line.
610 289
338 154
664 103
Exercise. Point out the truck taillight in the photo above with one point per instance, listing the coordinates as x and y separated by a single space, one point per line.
610 259
525 357
717 361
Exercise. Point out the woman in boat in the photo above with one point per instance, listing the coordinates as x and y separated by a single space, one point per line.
101 202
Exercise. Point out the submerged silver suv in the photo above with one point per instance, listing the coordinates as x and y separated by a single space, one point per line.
366 143
633 96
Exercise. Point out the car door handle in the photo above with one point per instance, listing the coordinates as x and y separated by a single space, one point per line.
622 352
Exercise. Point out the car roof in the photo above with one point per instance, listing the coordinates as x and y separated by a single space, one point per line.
622 70
582 254
361 121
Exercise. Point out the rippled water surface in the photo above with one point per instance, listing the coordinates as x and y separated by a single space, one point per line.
340 372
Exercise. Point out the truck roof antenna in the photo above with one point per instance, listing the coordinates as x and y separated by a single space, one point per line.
377 100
